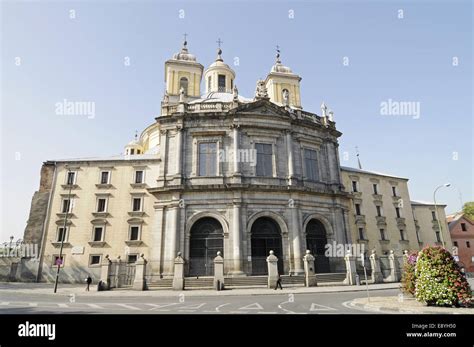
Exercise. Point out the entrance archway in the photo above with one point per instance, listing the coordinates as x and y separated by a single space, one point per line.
206 239
316 241
265 236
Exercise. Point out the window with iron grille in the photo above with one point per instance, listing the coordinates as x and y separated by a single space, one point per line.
264 159
208 159
311 164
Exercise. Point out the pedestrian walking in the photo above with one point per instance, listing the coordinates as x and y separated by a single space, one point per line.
278 283
88 281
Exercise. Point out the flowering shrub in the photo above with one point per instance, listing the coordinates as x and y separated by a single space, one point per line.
439 280
408 277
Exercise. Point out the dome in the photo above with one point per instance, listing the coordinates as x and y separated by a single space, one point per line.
279 67
184 54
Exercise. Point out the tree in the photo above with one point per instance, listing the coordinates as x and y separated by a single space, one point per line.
468 209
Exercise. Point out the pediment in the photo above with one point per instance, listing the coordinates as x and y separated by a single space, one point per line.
262 107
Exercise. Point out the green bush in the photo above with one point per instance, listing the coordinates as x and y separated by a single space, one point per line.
408 276
439 280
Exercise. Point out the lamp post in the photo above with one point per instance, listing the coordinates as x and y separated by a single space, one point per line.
63 236
436 211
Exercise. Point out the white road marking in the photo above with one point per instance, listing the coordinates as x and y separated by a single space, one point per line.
284 309
268 312
218 307
129 307
33 304
192 307
317 307
241 312
254 306
63 305
160 307
94 306
4 303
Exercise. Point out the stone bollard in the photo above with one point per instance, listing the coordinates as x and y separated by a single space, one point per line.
394 270
377 276
350 269
178 278
139 283
105 274
219 272
115 280
309 270
272 263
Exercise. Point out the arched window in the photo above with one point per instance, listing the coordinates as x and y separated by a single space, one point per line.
183 83
209 83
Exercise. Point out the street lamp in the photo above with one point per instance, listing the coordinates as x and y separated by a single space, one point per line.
436 211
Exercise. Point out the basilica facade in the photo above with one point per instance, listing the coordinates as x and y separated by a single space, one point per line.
216 171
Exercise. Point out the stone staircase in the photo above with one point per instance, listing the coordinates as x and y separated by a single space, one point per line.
247 281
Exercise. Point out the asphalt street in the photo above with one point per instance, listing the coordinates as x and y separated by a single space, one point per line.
284 303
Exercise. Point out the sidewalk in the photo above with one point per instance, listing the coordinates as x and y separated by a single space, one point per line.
47 289
394 304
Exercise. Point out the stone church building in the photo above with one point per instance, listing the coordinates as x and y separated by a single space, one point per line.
216 171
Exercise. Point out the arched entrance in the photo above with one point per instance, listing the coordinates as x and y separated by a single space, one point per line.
265 236
316 241
207 238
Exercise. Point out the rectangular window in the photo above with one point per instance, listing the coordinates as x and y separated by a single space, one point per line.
397 210
58 261
468 244
361 234
311 164
357 206
94 260
354 186
71 178
438 236
137 204
402 235
132 151
463 227
394 191
98 233
132 258
221 83
379 211
264 159
382 234
208 159
433 215
134 233
375 188
66 206
418 236
104 177
101 205
209 83
455 244
139 176
62 234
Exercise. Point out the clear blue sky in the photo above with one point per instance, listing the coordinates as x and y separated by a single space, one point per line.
81 59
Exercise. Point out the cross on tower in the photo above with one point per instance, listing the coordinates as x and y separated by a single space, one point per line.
219 42
185 36
278 49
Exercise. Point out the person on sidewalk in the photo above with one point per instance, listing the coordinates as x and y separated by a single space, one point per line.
88 281
278 283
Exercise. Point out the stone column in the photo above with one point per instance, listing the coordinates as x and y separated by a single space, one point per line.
377 276
236 239
309 270
394 270
156 247
179 150
171 235
289 149
139 283
272 263
178 277
236 159
218 272
295 233
350 269
117 264
105 274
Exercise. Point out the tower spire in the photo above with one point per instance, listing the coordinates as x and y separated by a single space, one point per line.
219 50
278 61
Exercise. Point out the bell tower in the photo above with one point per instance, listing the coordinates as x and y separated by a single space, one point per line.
283 85
219 77
183 71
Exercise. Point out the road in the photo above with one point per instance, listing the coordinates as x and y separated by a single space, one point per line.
285 303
